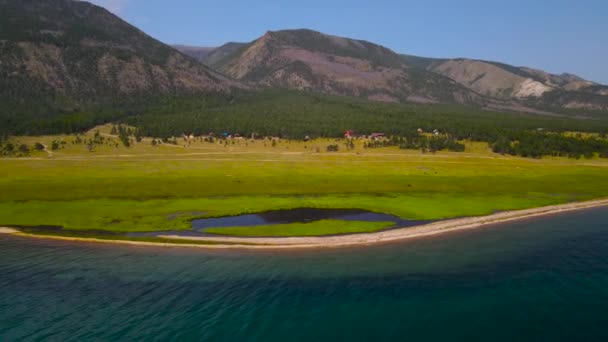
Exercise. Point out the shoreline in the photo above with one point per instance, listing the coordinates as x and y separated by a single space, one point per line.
398 234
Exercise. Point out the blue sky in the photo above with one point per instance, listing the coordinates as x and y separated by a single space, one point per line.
553 35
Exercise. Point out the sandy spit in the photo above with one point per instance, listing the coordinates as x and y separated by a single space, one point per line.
345 240
4 230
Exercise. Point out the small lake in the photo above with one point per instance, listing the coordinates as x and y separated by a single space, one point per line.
275 217
299 215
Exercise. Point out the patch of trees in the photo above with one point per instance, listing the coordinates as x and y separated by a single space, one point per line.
332 148
124 134
57 144
172 140
350 144
14 150
39 147
539 144
420 142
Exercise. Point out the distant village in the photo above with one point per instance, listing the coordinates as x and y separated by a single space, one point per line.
348 134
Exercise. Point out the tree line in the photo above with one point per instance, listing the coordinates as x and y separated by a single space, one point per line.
538 144
295 115
424 143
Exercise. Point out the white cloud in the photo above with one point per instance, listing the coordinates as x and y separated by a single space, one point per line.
114 6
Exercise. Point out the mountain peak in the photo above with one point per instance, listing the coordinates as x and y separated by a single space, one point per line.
80 52
304 59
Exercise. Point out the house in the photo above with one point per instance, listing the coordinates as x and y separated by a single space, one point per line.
349 134
377 136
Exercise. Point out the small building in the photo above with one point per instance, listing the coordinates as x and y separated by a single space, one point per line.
349 134
376 136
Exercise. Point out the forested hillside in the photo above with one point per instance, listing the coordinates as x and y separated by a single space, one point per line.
296 114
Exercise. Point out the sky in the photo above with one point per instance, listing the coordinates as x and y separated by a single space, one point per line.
553 35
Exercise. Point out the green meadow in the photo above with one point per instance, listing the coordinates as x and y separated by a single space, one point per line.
316 228
156 188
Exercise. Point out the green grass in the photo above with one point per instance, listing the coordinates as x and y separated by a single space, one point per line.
147 188
316 228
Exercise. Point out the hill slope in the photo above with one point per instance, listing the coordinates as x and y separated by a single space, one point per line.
531 86
78 52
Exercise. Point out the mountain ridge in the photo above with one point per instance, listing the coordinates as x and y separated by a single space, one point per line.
308 60
304 59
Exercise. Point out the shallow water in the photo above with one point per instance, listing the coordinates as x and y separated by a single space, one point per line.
540 279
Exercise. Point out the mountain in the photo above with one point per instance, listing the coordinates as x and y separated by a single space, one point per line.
312 61
66 51
521 84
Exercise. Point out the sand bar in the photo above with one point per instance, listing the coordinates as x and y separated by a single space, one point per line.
400 233
4 230
341 240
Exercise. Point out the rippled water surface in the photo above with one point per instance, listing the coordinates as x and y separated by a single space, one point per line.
542 279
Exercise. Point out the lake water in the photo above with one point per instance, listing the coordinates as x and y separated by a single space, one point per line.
299 215
541 279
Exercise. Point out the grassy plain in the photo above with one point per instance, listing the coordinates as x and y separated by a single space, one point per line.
155 188
316 228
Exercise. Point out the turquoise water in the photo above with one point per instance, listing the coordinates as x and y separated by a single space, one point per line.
542 279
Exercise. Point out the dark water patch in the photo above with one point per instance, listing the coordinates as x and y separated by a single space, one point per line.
41 228
288 216
300 215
